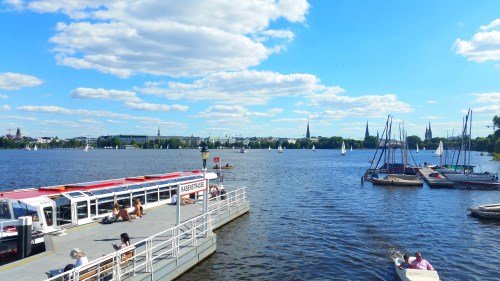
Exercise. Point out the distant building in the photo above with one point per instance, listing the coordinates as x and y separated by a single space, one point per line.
308 133
19 136
367 132
428 132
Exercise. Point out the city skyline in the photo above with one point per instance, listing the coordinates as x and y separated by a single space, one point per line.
249 69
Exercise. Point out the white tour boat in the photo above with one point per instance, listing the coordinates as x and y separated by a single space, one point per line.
56 208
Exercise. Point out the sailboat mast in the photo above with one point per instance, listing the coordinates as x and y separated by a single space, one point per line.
470 136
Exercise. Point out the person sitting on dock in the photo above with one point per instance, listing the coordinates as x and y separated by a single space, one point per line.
137 208
125 242
406 263
123 213
186 200
116 211
80 257
421 263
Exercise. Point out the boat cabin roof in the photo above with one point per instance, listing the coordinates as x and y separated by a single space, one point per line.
99 187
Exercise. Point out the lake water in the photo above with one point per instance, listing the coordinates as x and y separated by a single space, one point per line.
310 217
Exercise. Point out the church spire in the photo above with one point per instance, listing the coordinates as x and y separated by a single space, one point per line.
367 132
308 133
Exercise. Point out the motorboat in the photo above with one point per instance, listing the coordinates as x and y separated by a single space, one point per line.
491 211
414 274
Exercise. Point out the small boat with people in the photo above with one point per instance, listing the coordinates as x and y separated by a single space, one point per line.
491 211
410 274
54 209
225 167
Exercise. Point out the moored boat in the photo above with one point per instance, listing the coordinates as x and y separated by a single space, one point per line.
491 211
55 208
398 180
414 274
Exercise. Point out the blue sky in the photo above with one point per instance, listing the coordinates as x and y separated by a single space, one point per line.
250 68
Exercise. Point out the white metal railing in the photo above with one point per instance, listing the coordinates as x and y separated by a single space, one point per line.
4 224
168 244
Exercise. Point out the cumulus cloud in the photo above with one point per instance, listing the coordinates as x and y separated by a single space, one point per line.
234 114
492 97
2 96
338 105
5 107
99 93
167 37
155 107
57 110
252 87
15 81
483 46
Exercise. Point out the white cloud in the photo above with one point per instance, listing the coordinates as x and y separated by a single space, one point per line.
493 109
492 97
2 96
155 107
248 86
339 106
5 107
51 109
99 93
115 121
432 101
234 114
483 46
16 81
166 37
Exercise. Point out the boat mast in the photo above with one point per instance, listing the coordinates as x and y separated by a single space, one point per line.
470 138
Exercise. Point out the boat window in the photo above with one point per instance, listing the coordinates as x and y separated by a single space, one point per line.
101 191
93 207
138 195
152 195
21 210
4 210
48 213
82 210
118 189
75 194
63 210
164 193
123 199
105 205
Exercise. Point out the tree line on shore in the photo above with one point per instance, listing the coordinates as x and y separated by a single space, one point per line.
491 143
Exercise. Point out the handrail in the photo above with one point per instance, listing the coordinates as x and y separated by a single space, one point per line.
139 257
7 223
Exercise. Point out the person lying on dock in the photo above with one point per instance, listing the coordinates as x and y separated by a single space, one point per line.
125 242
406 263
421 263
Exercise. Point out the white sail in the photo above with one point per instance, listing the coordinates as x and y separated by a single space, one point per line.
313 148
343 149
351 147
280 149
417 147
439 150
269 148
35 148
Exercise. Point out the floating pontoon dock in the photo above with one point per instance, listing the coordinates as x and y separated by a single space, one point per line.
434 179
159 251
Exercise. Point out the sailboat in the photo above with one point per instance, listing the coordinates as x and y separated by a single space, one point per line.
27 147
313 148
417 148
269 148
35 148
439 151
116 147
167 145
351 147
342 150
280 149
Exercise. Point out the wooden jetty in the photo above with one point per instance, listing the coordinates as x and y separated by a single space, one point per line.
434 179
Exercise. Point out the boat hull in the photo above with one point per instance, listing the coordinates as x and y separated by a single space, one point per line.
398 180
491 212
470 177
414 274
